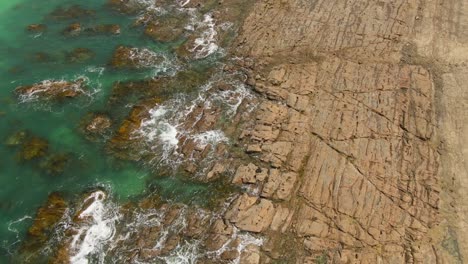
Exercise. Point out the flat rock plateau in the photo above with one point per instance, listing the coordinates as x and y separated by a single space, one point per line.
363 128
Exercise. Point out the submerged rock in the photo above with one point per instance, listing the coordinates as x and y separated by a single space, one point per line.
73 29
55 164
79 55
16 139
112 29
36 28
167 29
33 148
51 90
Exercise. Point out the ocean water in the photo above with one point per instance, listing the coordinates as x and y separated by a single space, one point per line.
28 58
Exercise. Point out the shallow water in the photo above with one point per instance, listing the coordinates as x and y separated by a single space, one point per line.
25 184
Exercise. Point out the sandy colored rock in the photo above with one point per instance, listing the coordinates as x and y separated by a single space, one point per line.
251 255
246 174
249 215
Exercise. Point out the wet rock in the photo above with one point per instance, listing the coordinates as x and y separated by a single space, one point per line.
124 92
216 171
250 255
79 55
46 218
125 6
98 124
73 29
130 124
72 12
52 90
36 28
34 148
196 225
167 29
133 58
230 255
219 233
171 243
249 213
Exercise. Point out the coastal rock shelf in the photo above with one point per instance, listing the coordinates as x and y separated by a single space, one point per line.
258 132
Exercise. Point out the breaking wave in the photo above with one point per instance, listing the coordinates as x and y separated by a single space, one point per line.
166 127
98 229
206 43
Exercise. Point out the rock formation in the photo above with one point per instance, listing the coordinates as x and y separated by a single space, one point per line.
349 129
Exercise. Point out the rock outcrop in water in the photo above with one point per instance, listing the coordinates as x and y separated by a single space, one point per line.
134 58
46 220
51 90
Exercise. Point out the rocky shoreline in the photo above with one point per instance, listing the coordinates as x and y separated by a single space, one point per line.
348 147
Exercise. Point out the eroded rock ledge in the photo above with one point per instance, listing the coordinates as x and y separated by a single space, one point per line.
345 143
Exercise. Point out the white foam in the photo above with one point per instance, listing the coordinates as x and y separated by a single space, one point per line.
182 3
158 130
212 137
205 45
44 86
244 239
167 124
98 229
184 254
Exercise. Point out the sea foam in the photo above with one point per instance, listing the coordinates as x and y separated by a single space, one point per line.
98 230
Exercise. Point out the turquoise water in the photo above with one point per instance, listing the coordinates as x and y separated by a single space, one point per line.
25 185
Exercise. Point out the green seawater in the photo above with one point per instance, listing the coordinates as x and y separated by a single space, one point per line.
25 185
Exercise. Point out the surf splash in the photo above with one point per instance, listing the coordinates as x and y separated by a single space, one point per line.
181 120
97 228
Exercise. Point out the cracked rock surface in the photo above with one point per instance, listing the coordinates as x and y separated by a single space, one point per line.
357 141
